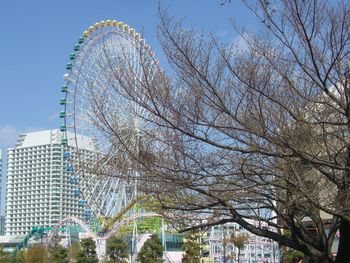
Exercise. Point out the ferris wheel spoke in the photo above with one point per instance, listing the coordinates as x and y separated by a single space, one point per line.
96 189
115 205
104 191
110 190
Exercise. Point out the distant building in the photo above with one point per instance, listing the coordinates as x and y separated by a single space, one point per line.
256 249
9 243
38 192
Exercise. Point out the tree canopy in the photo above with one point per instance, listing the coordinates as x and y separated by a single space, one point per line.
257 135
151 251
117 250
5 257
191 248
87 254
35 254
58 254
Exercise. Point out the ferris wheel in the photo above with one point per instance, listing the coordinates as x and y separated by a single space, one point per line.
101 124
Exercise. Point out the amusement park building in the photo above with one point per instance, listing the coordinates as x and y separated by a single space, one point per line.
38 190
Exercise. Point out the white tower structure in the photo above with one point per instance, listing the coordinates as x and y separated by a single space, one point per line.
39 192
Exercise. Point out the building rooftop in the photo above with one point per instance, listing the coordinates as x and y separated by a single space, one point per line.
51 137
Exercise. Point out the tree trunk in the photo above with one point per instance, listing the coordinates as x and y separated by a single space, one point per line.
343 254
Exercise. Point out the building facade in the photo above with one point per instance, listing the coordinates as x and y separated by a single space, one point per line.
38 191
2 225
256 249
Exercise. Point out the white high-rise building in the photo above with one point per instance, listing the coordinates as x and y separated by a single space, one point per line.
38 192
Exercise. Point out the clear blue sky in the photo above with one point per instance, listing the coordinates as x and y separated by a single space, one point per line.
36 38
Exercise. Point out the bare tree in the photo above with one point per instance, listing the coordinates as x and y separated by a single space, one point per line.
239 241
256 135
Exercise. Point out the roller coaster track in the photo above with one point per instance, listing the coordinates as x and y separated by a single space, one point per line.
114 229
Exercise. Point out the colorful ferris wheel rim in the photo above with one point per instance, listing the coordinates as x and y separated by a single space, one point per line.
99 120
